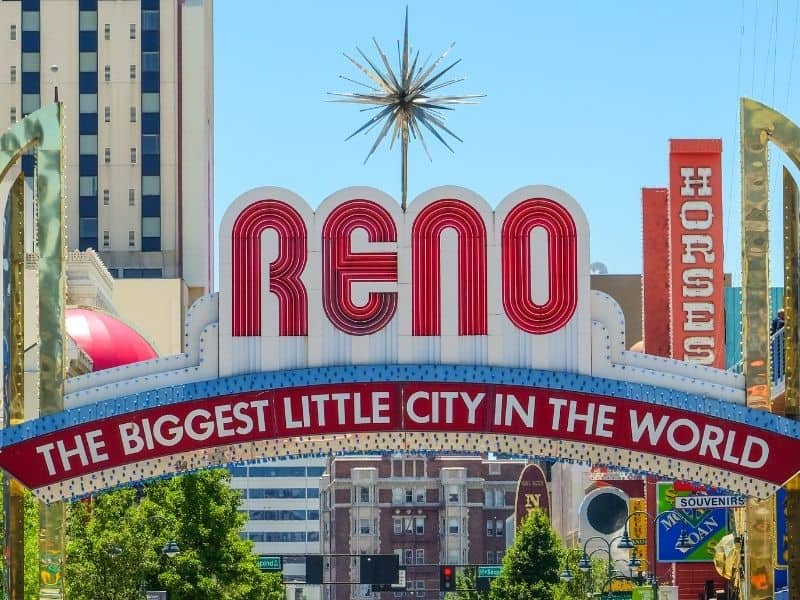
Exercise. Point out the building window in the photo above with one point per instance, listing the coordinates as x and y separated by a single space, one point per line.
494 468
133 114
363 495
13 114
87 185
107 73
131 239
107 114
106 239
498 527
30 103
131 197
13 33
150 20
30 62
151 226
30 20
107 31
397 524
409 495
87 62
87 144
106 197
452 526
151 185
150 102
420 556
419 496
13 73
489 527
409 556
87 20
87 103
490 558
107 156
133 31
150 62
364 527
453 496
133 156
133 72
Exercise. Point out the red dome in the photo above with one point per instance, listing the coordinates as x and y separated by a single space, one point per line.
108 341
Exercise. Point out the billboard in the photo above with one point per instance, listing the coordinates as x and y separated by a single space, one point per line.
695 198
532 493
703 527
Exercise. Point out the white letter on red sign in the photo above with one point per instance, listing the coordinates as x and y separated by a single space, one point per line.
341 267
284 271
562 260
425 267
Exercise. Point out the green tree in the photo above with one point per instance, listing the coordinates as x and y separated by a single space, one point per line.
31 544
583 583
115 544
532 566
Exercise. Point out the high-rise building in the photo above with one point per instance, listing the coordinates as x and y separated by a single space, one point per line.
429 510
135 78
281 502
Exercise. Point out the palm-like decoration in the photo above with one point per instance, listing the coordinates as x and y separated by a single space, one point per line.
403 101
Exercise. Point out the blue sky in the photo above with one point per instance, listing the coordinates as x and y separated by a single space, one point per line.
580 95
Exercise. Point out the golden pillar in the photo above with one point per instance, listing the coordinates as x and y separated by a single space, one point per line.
14 407
760 125
43 131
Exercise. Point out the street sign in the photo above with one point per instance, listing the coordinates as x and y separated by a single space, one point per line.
489 571
712 502
155 595
401 579
270 563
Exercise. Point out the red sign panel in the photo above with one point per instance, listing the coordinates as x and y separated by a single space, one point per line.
695 190
408 406
655 271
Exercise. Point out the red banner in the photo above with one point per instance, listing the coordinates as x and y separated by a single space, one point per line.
410 406
695 196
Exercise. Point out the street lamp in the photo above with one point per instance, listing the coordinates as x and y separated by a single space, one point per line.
170 548
683 543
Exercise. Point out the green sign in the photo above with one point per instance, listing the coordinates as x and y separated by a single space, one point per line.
702 528
489 571
643 593
270 563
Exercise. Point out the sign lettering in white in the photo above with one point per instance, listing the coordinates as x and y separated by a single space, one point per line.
689 502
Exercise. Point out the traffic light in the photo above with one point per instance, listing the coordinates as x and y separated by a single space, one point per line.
447 578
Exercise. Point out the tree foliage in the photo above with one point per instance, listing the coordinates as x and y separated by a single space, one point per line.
582 584
31 544
115 544
532 566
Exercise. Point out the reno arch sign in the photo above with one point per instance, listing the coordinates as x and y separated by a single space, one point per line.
450 327
449 281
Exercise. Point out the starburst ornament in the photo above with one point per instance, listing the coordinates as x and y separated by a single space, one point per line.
403 101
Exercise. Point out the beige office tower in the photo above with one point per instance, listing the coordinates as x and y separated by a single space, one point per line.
136 80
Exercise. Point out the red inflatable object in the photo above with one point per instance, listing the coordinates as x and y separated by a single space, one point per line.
108 341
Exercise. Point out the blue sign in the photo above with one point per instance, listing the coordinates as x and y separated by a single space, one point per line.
701 528
780 526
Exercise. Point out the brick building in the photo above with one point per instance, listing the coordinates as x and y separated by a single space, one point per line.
429 510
